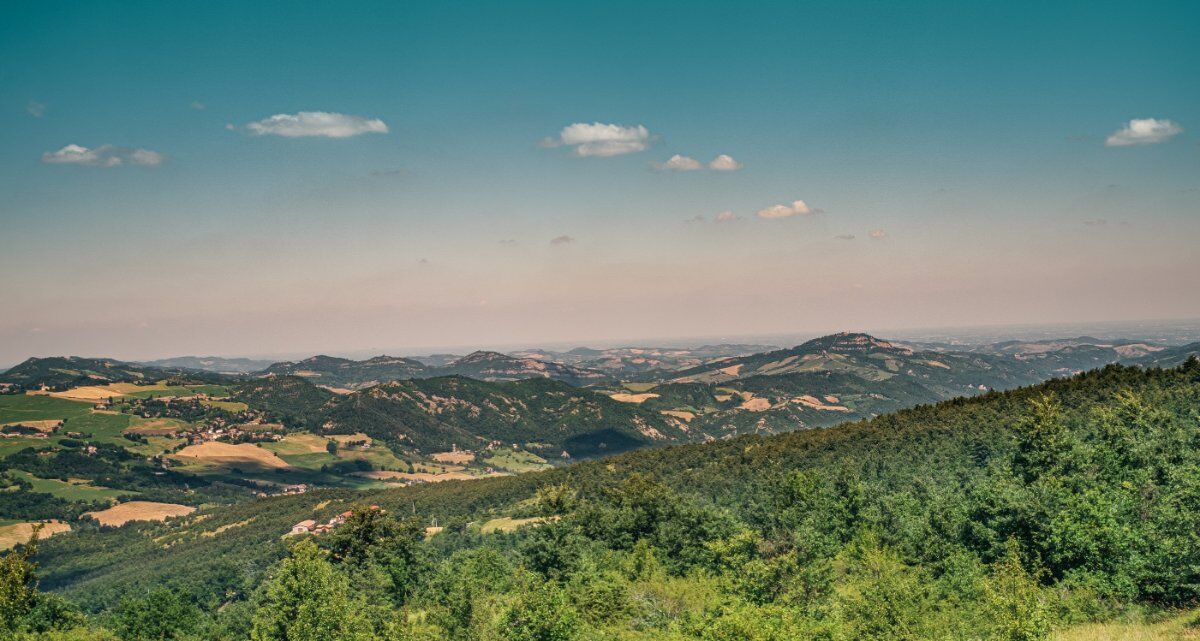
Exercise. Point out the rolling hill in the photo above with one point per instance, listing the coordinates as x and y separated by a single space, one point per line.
920 481
61 372
342 373
544 415
330 371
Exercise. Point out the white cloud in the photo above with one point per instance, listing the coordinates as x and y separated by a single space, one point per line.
602 140
103 156
679 163
35 109
877 234
726 217
562 240
316 124
724 162
198 106
1143 131
797 208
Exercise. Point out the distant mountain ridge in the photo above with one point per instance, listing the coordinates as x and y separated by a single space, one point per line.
216 364
343 373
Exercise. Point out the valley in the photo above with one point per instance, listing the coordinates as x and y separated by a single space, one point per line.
82 437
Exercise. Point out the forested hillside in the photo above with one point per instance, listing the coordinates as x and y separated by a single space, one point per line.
1003 516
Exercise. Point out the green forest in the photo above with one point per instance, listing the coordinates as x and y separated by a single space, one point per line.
1012 516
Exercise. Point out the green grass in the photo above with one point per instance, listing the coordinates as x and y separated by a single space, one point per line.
639 387
228 406
30 407
516 461
104 428
162 389
10 446
108 428
1176 627
80 491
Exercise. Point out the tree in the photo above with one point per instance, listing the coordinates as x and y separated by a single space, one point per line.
308 600
18 585
162 615
372 539
22 606
540 613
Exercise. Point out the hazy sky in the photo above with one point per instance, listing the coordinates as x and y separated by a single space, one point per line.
253 177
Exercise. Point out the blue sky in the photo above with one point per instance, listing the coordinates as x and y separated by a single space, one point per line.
968 148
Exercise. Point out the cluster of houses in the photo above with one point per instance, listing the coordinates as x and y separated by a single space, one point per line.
310 526
232 434
288 490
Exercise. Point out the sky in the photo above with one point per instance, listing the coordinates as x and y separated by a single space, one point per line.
240 178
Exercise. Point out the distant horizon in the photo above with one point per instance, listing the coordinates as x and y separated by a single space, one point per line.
1185 330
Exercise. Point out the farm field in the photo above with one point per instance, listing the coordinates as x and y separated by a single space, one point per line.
94 393
75 490
221 456
508 524
10 446
38 407
15 533
123 513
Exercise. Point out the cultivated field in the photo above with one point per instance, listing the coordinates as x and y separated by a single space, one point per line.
15 408
507 524
119 515
633 398
72 489
17 533
214 454
460 458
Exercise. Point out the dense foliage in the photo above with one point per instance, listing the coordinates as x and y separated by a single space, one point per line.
997 517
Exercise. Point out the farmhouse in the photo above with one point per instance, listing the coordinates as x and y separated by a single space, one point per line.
309 526
303 527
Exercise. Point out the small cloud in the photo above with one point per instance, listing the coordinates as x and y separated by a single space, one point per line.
423 261
601 140
103 156
562 240
877 234
726 217
1095 222
1143 131
35 109
198 106
844 237
724 163
229 126
678 163
797 208
696 219
318 124
508 242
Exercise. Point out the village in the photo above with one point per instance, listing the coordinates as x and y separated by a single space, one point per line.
310 526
